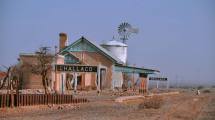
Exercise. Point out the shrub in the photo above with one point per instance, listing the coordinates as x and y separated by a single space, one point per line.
206 91
88 88
200 87
155 102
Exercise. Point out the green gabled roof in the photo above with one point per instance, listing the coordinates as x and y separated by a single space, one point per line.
132 69
73 60
83 44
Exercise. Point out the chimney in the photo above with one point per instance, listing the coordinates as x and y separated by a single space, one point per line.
62 41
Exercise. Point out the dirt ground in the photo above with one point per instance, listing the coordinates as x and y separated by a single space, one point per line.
183 106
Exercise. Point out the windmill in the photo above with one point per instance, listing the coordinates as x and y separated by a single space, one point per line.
125 30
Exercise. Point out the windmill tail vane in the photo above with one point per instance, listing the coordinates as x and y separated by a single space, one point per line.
134 30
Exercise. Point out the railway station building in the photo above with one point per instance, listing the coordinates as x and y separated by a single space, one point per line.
86 65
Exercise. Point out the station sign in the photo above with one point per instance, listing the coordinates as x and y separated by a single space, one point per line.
158 78
72 68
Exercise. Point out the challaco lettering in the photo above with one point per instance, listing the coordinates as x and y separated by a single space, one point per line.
76 68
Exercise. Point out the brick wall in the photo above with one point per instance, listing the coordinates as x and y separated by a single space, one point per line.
30 80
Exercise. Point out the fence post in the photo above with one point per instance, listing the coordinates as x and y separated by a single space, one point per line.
72 100
24 100
52 98
33 99
46 99
11 99
57 99
39 97
17 100
63 99
43 99
0 101
60 99
1 97
3 100
28 100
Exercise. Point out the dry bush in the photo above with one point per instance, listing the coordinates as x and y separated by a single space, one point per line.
200 87
206 91
154 102
88 88
93 88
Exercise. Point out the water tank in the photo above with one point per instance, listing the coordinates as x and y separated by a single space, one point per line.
117 48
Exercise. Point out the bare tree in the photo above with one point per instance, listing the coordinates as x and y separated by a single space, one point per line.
11 79
43 66
4 80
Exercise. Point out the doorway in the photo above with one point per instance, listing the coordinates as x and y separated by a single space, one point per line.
102 78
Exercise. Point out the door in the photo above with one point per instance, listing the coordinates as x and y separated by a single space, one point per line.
102 78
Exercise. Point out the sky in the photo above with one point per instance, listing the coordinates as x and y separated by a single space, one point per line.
176 37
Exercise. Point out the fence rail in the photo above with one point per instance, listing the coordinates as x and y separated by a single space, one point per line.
14 100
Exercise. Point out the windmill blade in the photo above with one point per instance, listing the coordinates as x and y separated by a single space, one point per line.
124 27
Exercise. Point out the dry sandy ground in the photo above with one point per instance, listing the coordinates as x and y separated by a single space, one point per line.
185 106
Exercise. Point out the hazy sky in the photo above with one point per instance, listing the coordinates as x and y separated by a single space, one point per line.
176 36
